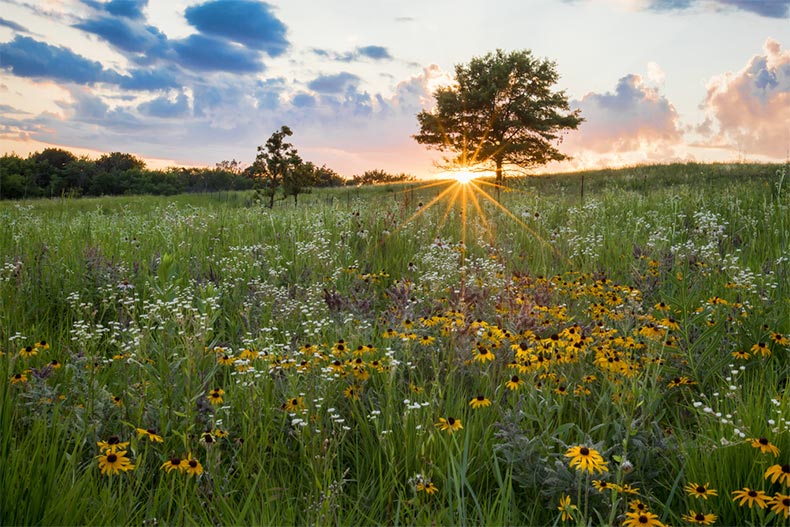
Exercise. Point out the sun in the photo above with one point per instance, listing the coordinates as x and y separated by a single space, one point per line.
463 176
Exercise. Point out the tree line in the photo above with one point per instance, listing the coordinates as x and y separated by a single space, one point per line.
55 172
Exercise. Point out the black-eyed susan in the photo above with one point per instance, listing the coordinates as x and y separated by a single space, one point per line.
294 404
780 473
641 519
116 400
780 339
566 508
762 349
481 401
149 434
699 518
215 396
427 340
626 488
427 487
218 432
764 445
174 463
483 354
193 466
680 381
584 458
55 364
113 444
700 491
780 503
352 392
114 462
750 497
514 383
42 345
19 378
225 360
602 485
741 355
27 352
449 424
207 439
340 348
637 506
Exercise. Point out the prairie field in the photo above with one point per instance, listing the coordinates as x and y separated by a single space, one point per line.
611 350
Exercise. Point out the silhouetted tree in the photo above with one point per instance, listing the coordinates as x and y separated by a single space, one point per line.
274 161
501 110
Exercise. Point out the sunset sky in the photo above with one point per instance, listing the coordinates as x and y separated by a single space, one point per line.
197 82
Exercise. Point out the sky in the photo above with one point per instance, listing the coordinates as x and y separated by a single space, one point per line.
183 82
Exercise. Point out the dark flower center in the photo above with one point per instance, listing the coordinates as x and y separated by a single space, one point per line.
701 490
151 431
752 493
43 343
644 519
113 440
786 502
193 463
584 451
175 461
763 441
699 517
450 421
514 378
28 348
786 469
481 398
112 458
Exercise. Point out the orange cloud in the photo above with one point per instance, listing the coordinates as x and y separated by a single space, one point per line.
750 109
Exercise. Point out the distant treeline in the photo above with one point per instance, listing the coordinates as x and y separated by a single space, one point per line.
56 172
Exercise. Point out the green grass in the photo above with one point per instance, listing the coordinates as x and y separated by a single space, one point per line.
138 298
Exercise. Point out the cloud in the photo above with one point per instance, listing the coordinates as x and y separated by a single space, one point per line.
252 24
150 80
333 84
128 35
766 8
375 52
633 117
750 109
13 25
166 108
303 100
204 53
27 57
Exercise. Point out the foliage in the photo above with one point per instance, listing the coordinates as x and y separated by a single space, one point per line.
276 163
501 111
376 177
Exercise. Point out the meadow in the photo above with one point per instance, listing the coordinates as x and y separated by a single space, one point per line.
419 354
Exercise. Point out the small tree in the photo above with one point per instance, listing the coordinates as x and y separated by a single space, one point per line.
502 110
301 176
274 161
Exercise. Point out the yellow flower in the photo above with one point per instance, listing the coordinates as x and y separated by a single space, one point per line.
42 345
583 458
699 517
427 340
193 466
761 348
514 383
750 497
352 392
428 488
700 491
215 396
566 508
28 351
150 434
174 463
18 378
641 519
225 360
294 404
480 402
113 444
112 462
450 424
780 503
764 445
483 354
602 485
780 473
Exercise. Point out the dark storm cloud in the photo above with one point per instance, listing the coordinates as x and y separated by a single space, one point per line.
252 24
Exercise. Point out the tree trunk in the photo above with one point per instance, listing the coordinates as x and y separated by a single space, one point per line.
271 200
499 177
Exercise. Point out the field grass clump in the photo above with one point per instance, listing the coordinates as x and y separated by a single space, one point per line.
523 356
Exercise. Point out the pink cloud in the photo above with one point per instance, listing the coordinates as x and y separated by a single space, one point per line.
751 108
635 117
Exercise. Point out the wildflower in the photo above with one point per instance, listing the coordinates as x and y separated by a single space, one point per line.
428 488
225 360
483 354
761 348
764 445
55 364
207 439
583 458
150 434
742 355
700 491
113 444
566 508
340 348
427 340
637 506
699 517
27 352
193 466
18 378
116 400
174 463
514 383
602 485
626 489
294 404
779 473
352 392
480 402
781 340
215 396
641 519
112 462
220 433
780 503
680 381
42 345
450 424
750 497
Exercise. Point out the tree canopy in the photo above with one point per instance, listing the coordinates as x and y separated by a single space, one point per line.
502 110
